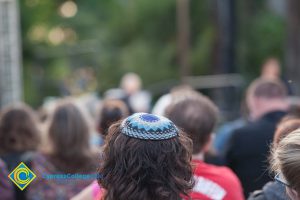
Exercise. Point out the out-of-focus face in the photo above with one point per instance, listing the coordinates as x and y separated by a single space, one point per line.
131 83
132 86
271 69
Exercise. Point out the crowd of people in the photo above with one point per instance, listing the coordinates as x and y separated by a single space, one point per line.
128 154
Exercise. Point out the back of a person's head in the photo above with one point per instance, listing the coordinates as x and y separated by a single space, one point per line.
111 111
286 126
146 157
18 129
197 116
68 133
181 92
286 159
267 89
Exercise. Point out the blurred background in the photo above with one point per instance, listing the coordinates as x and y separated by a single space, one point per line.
85 46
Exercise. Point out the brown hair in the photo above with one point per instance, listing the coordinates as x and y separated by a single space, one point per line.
111 111
267 88
197 116
284 128
145 169
68 133
18 129
286 159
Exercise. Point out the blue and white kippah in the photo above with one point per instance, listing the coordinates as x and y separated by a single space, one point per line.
148 127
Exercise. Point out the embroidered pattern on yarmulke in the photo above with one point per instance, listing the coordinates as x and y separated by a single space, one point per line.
148 127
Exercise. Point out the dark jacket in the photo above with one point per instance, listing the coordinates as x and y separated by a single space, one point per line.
271 191
248 151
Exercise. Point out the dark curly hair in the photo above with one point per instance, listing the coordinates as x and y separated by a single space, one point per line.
134 169
111 112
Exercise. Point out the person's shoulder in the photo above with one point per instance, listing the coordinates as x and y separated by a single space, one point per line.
42 163
270 191
220 171
2 165
6 188
247 129
39 157
226 172
3 169
274 190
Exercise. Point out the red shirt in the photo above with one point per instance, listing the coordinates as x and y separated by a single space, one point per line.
215 183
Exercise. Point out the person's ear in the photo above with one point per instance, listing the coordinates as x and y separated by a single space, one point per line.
256 105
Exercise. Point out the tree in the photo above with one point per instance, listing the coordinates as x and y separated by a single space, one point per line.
225 22
183 27
293 44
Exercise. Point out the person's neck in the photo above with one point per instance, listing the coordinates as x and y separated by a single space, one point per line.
271 106
198 156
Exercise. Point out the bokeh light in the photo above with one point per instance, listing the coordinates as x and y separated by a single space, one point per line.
56 36
68 9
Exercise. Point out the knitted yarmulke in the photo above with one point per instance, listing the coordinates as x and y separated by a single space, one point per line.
148 127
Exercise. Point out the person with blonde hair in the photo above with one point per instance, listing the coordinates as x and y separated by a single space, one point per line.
286 164
69 153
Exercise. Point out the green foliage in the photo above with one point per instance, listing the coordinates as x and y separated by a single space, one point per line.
262 35
118 36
